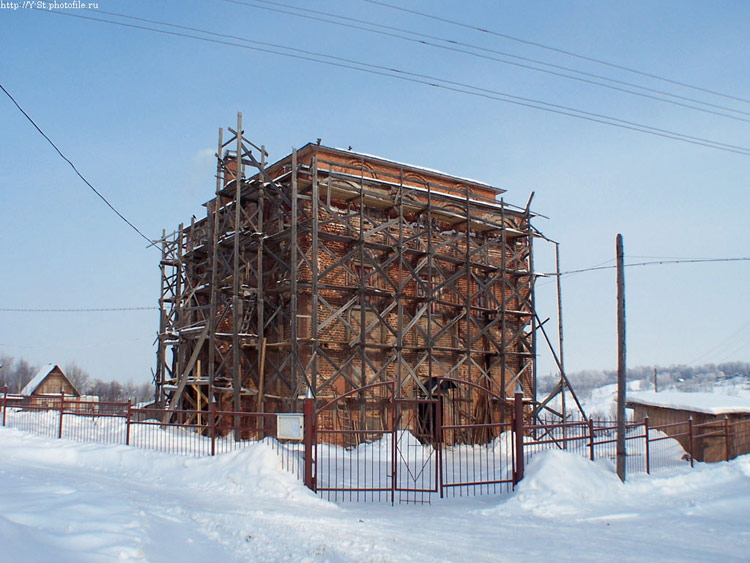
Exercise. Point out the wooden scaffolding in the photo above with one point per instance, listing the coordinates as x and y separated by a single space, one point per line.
329 271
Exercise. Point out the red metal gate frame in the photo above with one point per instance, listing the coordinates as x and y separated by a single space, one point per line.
313 463
502 426
435 457
439 481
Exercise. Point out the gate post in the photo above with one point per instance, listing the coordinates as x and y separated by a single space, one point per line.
648 452
212 426
62 409
395 421
690 439
439 440
309 442
518 432
726 437
5 401
127 422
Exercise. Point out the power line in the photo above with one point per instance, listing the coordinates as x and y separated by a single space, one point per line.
547 274
668 257
728 342
85 310
451 47
558 50
651 263
554 274
73 166
419 78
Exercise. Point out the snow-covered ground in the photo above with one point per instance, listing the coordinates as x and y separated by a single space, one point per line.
67 501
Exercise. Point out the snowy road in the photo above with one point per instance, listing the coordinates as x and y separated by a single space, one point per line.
64 501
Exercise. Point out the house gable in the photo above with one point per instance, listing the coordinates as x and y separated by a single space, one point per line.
50 380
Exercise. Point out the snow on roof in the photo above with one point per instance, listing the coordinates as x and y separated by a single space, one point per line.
708 403
423 168
37 379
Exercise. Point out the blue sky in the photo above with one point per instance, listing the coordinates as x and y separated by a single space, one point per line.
138 112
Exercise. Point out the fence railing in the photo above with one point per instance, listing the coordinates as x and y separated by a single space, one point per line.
385 464
649 447
174 431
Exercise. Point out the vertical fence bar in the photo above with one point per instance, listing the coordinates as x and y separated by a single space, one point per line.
591 439
726 438
648 453
309 429
127 422
62 410
510 453
439 440
690 439
212 426
394 462
5 401
518 431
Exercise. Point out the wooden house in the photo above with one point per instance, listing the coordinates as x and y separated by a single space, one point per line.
49 381
719 424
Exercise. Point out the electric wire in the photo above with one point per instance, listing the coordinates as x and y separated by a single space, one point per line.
649 263
554 274
73 166
424 79
739 149
734 341
732 351
561 51
491 58
77 310
548 274
668 257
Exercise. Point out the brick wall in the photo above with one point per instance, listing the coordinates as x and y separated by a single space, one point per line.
383 204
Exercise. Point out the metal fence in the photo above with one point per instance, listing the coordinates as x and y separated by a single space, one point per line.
178 432
413 456
649 447
409 462
409 450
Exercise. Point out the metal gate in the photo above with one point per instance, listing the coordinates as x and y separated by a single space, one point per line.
477 442
370 446
416 452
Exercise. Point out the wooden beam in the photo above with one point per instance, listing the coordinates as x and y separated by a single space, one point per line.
189 367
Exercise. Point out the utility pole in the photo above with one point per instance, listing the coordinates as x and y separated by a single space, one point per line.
656 385
560 326
621 379
562 355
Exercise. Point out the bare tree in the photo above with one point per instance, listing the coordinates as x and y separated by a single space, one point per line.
6 365
15 374
79 377
24 372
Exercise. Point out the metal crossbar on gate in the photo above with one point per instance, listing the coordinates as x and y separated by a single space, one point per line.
372 446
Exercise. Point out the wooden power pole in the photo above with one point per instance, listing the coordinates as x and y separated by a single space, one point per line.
621 379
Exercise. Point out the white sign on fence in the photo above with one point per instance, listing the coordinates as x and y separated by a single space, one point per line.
289 426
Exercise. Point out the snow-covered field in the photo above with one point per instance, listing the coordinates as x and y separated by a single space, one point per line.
67 501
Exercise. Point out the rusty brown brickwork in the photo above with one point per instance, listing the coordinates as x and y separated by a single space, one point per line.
353 270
